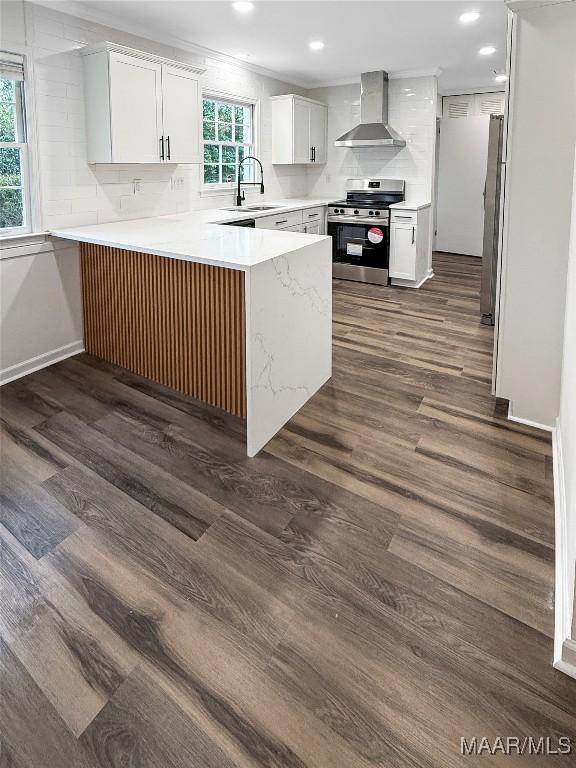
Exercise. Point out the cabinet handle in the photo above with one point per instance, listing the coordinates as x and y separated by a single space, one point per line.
314 154
311 215
283 221
311 154
413 234
161 147
167 147
396 216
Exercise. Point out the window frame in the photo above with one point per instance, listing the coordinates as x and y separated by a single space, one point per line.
215 188
29 163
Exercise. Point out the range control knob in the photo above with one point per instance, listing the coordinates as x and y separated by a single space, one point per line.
376 213
370 213
356 211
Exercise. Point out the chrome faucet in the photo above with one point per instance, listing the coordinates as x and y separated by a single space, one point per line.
240 196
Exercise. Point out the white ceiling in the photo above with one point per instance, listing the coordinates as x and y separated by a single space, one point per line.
359 35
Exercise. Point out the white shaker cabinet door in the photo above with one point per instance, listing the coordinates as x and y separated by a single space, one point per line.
318 126
136 109
403 251
301 138
181 115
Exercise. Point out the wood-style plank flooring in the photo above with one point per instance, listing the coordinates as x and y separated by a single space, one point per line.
372 587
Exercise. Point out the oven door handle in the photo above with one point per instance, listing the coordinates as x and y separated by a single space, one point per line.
360 222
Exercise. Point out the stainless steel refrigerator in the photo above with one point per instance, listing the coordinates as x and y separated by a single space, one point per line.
492 197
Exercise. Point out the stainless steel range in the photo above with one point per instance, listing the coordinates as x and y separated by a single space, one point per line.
360 229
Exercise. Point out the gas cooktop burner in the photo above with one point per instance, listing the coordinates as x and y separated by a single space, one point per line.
367 200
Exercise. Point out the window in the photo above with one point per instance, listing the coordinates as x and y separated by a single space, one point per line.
228 130
14 207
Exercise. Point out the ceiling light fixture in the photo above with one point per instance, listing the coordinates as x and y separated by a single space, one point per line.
469 17
501 78
316 45
243 7
488 50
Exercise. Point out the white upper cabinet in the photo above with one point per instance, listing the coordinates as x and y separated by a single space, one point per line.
140 108
136 109
299 130
181 115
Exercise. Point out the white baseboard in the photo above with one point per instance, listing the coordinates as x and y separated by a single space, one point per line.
40 361
563 600
567 662
411 283
528 422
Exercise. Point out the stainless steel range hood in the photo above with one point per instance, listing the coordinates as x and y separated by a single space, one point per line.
373 130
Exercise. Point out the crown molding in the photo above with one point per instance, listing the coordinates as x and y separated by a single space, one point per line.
80 11
116 48
471 91
405 73
400 74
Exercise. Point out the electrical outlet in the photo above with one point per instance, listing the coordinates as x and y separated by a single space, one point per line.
137 185
177 182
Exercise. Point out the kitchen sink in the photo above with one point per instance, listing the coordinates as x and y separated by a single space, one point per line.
253 208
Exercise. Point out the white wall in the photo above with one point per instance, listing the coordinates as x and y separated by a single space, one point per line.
414 117
537 213
566 437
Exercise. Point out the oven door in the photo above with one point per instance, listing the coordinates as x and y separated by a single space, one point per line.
360 251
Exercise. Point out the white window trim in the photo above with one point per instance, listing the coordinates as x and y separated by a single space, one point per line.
215 190
30 156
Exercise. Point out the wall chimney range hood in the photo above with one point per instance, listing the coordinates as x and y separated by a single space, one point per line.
373 130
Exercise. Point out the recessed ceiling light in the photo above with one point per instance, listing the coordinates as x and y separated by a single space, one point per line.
488 50
501 78
242 55
469 17
243 7
411 93
316 45
407 90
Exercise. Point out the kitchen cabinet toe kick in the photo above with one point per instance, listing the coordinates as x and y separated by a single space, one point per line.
255 343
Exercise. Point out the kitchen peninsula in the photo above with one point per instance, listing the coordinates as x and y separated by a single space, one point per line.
238 317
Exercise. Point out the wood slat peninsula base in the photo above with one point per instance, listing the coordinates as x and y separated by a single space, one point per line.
179 323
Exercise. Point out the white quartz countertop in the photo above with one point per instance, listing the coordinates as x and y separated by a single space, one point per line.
196 236
407 206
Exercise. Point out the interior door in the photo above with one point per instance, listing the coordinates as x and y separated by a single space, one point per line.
461 179
181 115
318 131
302 144
136 109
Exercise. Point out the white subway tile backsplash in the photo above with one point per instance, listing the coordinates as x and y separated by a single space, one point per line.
74 192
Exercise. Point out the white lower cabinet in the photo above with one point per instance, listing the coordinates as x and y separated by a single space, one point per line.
310 220
403 251
410 246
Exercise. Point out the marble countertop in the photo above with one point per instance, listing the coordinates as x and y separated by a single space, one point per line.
196 236
407 206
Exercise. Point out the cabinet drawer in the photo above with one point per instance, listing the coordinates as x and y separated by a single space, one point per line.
404 217
279 220
311 215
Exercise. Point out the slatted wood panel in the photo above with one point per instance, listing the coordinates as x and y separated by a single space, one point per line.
175 322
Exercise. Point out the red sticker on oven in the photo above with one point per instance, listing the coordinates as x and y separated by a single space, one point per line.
375 235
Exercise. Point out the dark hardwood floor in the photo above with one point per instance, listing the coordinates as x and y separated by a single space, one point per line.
372 587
